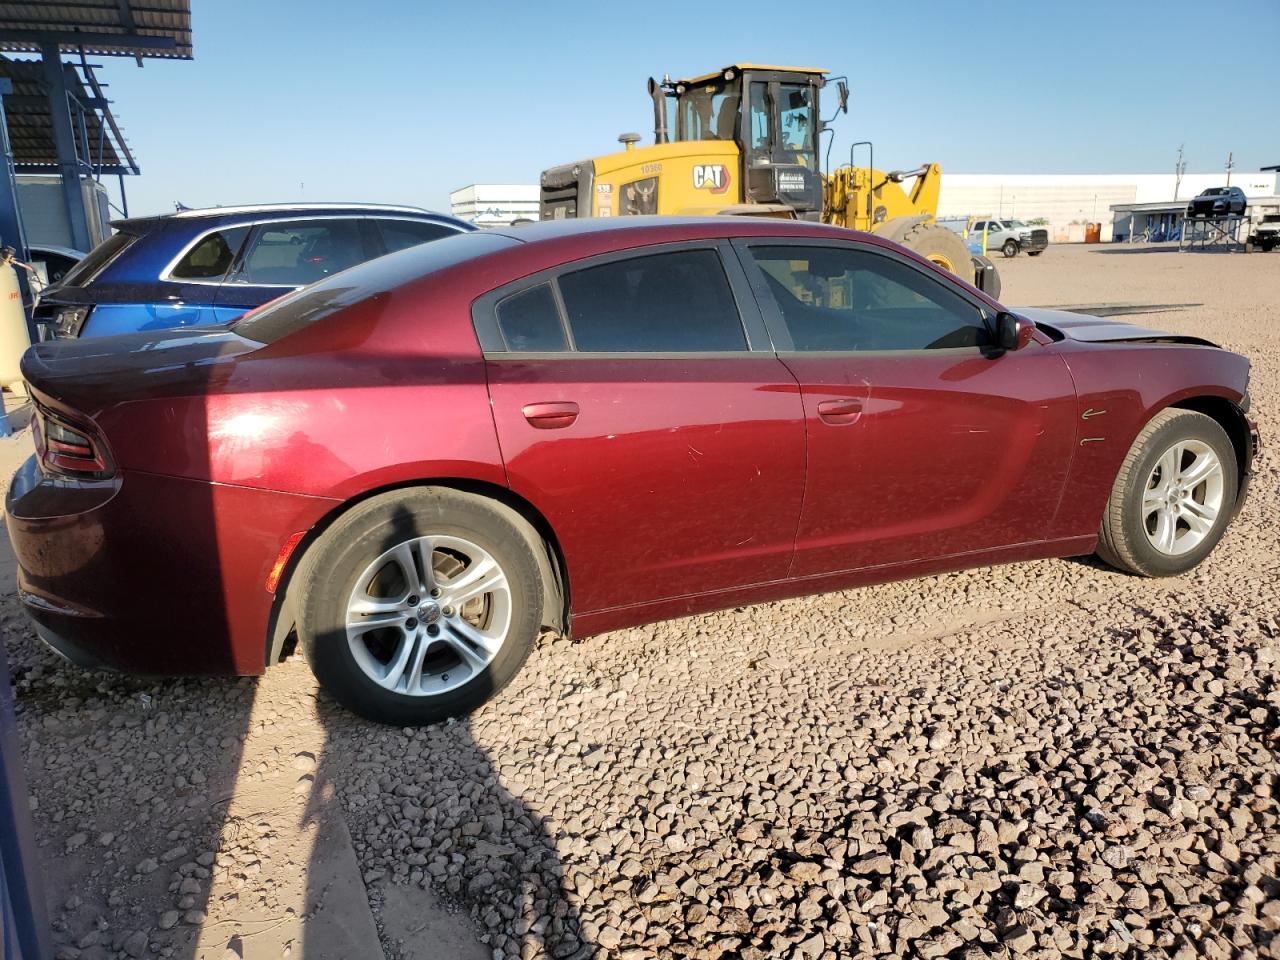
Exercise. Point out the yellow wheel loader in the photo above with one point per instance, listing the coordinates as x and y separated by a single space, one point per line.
745 140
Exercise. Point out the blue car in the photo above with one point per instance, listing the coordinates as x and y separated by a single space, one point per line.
211 266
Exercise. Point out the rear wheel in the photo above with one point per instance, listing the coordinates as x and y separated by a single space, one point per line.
419 605
1173 497
941 246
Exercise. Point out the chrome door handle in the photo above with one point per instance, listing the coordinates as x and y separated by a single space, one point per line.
551 414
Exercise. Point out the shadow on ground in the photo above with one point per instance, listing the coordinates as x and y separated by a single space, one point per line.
426 809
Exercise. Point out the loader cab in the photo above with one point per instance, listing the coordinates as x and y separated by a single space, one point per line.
771 113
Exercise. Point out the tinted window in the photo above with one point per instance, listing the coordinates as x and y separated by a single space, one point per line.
530 320
398 234
211 257
98 258
668 302
299 252
834 298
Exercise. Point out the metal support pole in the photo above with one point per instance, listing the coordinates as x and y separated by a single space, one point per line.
25 916
64 139
11 232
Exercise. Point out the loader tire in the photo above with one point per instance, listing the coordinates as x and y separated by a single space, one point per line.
985 277
939 245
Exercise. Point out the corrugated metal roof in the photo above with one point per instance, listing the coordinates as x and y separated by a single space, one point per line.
31 127
146 28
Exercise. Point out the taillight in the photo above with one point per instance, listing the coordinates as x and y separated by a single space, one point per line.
69 451
68 321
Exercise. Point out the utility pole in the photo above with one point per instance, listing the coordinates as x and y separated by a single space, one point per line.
1179 169
1230 164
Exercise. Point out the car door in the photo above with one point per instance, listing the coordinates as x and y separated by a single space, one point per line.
923 441
282 255
185 292
640 407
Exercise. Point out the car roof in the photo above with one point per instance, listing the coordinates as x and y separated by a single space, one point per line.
54 248
272 209
659 228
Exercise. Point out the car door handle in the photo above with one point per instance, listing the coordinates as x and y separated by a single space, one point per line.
840 412
550 415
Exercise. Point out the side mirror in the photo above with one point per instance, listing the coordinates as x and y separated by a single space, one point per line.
1012 331
842 91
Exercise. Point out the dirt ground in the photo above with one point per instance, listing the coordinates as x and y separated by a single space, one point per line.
1043 760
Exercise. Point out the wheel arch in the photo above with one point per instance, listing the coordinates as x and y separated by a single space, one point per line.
551 561
1230 418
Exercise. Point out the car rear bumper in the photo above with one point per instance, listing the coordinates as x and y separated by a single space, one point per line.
149 574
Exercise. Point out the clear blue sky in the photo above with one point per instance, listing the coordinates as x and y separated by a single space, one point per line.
405 100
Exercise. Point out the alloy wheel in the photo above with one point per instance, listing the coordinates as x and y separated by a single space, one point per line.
1183 497
428 615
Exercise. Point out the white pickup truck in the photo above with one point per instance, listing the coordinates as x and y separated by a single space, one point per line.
1011 237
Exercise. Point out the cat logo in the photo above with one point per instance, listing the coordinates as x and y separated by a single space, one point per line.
711 176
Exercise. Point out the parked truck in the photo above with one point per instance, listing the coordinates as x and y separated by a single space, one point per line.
1012 237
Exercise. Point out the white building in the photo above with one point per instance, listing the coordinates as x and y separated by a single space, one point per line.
1068 201
495 204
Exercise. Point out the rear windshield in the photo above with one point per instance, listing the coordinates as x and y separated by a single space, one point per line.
97 259
301 308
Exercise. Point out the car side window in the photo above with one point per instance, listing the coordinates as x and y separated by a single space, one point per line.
297 252
676 302
211 257
530 321
837 299
400 234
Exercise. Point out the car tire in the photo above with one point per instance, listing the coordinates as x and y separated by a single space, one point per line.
1034 253
1140 512
1010 248
354 576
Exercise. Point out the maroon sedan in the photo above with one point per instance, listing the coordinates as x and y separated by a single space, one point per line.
415 466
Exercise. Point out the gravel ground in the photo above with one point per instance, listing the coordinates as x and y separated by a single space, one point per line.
1043 760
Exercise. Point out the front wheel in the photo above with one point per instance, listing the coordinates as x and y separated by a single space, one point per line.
1034 253
1010 248
1173 497
419 605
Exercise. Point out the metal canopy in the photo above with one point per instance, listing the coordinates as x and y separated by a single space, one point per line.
31 135
107 28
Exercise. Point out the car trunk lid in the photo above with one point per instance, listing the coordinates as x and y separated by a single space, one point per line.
86 376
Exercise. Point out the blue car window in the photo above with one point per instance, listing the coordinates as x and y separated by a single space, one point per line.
211 257
297 252
399 234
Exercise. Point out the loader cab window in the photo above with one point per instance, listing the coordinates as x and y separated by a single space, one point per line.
710 112
761 116
797 123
